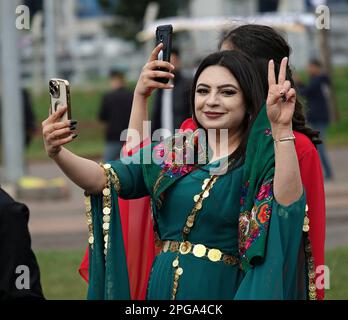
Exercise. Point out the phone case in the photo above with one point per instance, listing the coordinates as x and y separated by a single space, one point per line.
164 34
60 96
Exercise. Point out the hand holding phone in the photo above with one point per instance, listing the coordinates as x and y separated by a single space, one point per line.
164 34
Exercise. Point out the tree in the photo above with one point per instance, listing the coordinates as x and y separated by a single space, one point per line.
130 14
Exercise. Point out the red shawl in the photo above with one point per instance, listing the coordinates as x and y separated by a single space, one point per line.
138 231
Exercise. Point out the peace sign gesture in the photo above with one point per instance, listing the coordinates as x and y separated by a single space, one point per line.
281 97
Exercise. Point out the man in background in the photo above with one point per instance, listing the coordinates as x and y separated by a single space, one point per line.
316 93
29 119
172 106
115 112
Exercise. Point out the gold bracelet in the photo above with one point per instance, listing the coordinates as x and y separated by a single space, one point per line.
289 138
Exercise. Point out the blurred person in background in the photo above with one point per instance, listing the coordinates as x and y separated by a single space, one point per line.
171 107
29 118
316 93
16 255
115 111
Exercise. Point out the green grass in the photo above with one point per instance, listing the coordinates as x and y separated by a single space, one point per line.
60 279
338 132
59 275
337 261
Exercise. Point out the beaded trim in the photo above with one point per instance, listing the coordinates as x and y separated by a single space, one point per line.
198 199
312 293
89 220
112 179
106 207
178 271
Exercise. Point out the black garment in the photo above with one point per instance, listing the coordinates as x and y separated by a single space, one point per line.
15 250
181 103
115 112
28 117
317 99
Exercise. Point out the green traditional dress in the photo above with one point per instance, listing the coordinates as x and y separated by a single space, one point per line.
222 236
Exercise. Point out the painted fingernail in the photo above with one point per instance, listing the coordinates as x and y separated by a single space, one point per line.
73 122
74 136
72 128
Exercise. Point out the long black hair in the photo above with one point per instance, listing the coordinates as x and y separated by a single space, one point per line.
243 69
263 43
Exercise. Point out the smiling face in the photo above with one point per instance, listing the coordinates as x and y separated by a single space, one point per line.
219 100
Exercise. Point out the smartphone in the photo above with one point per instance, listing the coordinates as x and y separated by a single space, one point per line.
60 96
164 34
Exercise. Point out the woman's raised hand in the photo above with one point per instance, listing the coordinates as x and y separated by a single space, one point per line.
146 83
57 133
281 97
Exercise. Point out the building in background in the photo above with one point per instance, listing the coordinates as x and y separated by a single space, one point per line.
84 49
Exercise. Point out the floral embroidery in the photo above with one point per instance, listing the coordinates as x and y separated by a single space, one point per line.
268 132
263 215
253 224
244 193
176 155
264 192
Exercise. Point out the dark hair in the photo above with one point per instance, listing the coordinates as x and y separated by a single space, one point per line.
263 43
315 62
241 66
116 73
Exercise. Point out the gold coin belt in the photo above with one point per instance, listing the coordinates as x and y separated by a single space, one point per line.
312 295
198 199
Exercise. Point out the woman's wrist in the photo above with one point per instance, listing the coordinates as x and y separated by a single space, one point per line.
280 132
140 99
54 154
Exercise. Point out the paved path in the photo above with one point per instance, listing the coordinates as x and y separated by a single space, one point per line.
60 224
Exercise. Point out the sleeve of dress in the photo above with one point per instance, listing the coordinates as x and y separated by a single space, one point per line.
312 179
277 276
108 274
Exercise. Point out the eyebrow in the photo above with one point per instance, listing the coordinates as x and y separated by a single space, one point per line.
219 87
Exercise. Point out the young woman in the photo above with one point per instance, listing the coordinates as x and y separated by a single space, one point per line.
262 43
230 226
